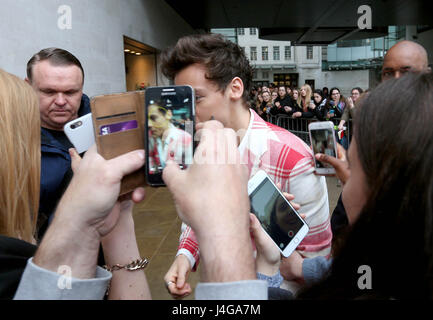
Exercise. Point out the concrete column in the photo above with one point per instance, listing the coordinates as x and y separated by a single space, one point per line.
411 33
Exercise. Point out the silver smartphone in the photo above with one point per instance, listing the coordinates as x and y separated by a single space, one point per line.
275 213
80 132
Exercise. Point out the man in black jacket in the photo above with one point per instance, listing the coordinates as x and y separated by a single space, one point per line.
283 103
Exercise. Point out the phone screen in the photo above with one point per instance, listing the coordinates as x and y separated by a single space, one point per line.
275 214
170 127
323 142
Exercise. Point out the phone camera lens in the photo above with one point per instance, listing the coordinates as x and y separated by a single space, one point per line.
76 125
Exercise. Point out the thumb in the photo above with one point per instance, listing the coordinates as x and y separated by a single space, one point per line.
328 159
173 176
128 163
75 159
181 277
256 229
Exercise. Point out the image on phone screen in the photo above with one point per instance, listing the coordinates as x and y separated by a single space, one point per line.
170 131
323 142
275 214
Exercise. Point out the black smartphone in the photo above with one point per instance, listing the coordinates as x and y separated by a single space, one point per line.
169 129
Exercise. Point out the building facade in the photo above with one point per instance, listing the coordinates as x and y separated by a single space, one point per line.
345 64
279 62
98 33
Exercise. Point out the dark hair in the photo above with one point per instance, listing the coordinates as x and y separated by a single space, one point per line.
56 57
320 93
394 232
357 88
334 88
223 60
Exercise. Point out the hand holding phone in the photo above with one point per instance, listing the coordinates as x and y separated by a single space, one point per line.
340 164
277 216
322 137
80 133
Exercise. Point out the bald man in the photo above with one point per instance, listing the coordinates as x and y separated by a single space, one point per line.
404 56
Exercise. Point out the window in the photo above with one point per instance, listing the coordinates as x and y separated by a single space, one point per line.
253 51
287 53
309 52
254 74
276 53
265 53
265 75
241 31
253 31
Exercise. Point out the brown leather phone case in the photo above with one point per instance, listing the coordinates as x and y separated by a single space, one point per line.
116 108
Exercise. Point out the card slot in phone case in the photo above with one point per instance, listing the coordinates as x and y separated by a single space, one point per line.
106 122
115 144
118 108
115 116
119 143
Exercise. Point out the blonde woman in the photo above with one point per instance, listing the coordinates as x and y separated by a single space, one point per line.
305 103
88 213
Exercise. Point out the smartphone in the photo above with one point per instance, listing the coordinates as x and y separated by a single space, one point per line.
169 129
275 213
80 133
322 137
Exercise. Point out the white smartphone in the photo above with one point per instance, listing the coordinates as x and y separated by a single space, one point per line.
276 215
80 133
322 137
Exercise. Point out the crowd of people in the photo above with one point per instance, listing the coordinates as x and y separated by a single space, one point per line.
273 101
59 209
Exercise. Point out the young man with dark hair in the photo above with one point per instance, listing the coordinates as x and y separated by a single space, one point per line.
283 103
57 76
221 76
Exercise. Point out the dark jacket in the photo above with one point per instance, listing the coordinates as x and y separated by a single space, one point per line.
14 254
337 110
320 110
307 114
286 101
56 171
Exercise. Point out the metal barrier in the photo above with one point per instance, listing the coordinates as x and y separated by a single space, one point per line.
273 119
299 126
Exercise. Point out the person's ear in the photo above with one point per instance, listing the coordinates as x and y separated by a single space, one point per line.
236 87
28 81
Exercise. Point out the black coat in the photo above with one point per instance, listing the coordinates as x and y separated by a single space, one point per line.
14 254
286 101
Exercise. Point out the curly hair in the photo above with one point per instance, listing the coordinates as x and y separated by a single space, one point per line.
223 60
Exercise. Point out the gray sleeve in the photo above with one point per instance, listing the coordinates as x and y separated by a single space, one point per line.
239 290
315 269
40 284
274 281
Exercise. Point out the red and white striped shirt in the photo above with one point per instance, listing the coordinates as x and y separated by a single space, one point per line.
288 161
